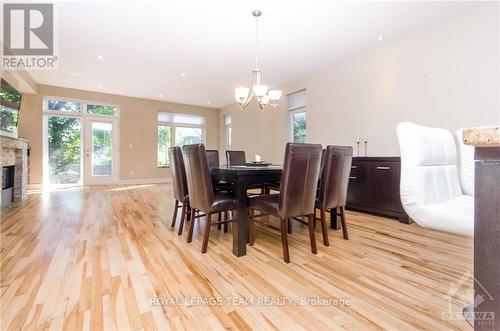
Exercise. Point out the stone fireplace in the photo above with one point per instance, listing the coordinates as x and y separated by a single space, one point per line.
14 152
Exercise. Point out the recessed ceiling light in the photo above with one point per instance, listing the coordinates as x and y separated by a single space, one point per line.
99 57
183 75
380 38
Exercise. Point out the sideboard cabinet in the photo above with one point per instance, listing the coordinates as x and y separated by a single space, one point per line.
374 187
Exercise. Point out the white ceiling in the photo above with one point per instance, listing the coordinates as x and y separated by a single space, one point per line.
147 45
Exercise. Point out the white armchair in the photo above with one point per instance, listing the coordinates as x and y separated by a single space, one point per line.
430 189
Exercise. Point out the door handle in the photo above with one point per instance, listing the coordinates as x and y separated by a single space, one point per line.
354 167
352 177
383 168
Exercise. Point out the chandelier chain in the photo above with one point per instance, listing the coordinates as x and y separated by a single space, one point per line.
256 42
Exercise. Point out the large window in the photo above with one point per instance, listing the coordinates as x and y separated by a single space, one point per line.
178 130
297 103
228 130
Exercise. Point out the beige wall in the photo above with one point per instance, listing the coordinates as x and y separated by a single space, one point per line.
138 129
444 76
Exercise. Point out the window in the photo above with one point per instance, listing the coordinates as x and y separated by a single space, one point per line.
298 116
178 130
82 107
66 106
299 127
228 130
102 110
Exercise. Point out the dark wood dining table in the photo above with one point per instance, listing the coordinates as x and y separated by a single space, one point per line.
243 177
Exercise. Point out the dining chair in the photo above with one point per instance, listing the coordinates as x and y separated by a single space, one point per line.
297 195
180 187
203 197
235 158
213 158
332 192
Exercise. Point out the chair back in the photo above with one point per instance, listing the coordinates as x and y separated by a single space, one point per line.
235 158
178 172
335 176
299 179
198 177
466 163
213 158
429 171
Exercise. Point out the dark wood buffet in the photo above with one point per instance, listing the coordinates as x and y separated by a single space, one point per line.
374 187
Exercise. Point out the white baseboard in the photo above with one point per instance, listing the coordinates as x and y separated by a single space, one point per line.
144 181
120 182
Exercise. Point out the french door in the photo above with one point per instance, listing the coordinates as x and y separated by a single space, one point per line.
80 150
100 160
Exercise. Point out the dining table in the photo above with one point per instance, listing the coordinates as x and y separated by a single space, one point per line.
241 178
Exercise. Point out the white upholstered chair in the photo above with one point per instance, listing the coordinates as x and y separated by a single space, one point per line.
431 192
465 164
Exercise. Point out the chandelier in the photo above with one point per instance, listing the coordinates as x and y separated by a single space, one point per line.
259 92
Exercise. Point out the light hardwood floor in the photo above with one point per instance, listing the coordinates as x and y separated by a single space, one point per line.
96 258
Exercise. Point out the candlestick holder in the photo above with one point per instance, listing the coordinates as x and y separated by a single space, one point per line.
357 149
366 147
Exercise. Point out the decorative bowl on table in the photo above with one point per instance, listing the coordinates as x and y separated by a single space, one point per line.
257 164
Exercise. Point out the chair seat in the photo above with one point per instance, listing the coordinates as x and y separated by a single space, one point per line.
268 204
222 201
455 215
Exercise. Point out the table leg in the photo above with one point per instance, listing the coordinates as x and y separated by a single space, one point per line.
239 227
334 219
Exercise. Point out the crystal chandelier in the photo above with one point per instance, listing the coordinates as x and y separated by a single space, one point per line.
259 92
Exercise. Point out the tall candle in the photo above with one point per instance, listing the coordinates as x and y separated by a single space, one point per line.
366 136
257 157
358 138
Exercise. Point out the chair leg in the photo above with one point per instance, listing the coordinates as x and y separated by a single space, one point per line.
183 217
206 234
344 223
323 227
191 226
219 226
289 225
312 236
251 228
315 218
174 218
284 240
226 213
188 212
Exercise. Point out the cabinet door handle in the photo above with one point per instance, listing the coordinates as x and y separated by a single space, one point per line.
352 177
383 168
354 167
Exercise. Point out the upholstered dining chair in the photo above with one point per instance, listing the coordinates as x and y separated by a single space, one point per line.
297 195
332 192
431 191
203 198
213 158
179 182
235 158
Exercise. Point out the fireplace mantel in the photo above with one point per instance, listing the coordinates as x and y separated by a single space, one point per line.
14 152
